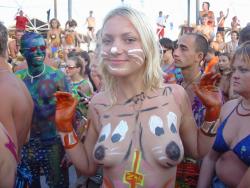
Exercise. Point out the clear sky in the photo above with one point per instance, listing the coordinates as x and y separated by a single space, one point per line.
177 9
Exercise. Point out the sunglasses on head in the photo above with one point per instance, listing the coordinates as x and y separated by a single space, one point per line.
35 48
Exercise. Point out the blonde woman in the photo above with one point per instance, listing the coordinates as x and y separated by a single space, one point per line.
139 128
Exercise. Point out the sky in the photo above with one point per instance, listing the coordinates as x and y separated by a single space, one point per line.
177 10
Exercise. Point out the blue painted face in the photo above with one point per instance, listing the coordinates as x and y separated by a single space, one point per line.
34 51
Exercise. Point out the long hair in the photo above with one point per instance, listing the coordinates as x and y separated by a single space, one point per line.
152 74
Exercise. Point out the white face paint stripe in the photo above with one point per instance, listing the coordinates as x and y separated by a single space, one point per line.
155 148
135 50
104 53
137 56
117 153
162 158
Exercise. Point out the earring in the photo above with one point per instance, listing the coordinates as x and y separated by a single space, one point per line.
113 50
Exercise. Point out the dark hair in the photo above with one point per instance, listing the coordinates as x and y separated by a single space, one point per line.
244 34
237 33
78 62
3 40
201 43
225 54
54 19
71 23
27 36
167 43
208 4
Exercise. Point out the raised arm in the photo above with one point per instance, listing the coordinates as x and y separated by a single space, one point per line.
198 141
80 154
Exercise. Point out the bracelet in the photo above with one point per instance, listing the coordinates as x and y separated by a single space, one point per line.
69 140
209 128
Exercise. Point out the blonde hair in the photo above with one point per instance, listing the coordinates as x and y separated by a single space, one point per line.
152 73
242 52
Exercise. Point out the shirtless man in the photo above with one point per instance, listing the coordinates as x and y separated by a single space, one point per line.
14 45
44 149
205 29
15 100
90 21
189 53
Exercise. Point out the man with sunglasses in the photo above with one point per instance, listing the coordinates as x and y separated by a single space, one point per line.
44 149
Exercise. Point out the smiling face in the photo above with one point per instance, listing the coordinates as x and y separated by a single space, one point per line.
33 49
122 48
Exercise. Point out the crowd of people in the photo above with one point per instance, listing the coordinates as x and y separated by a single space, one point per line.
138 111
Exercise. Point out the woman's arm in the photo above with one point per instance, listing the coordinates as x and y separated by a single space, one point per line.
207 169
80 154
245 181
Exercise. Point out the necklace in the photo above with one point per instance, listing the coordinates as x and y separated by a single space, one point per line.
185 86
32 77
245 108
237 109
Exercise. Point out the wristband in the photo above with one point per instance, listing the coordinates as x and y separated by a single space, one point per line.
69 140
209 128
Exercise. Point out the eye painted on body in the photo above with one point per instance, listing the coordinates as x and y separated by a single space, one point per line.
120 132
105 133
172 122
156 125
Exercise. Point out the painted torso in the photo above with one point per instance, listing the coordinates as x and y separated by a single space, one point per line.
42 90
139 143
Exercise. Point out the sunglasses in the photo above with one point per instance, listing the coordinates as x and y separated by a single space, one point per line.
35 48
70 67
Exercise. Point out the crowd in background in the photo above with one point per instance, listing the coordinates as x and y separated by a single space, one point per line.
199 67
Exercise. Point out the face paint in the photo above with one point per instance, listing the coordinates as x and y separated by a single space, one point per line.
113 50
138 54
34 51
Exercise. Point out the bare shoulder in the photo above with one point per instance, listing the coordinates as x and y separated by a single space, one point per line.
100 97
228 107
175 89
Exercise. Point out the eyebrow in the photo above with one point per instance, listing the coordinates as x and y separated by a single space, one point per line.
123 34
182 46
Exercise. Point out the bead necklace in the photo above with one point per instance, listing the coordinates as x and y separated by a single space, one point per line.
244 108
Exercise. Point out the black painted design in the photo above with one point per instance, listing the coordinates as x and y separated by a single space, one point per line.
102 138
116 137
159 131
125 115
167 91
148 109
173 151
137 98
129 151
106 116
165 104
173 128
140 141
100 153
